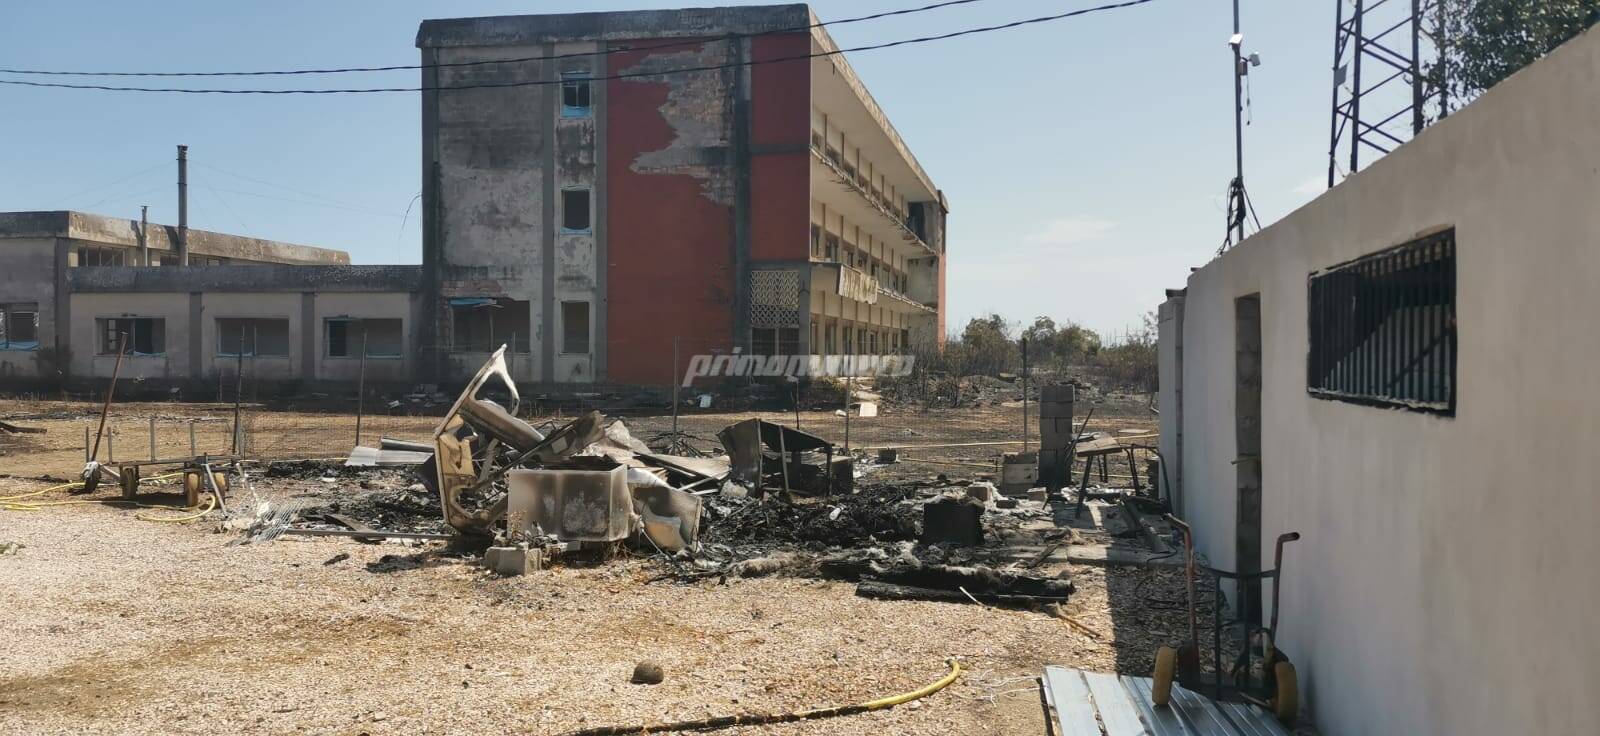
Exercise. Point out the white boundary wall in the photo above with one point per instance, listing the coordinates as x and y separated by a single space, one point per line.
1446 582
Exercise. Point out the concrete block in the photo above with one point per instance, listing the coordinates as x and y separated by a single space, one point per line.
506 560
513 560
1019 472
982 492
952 520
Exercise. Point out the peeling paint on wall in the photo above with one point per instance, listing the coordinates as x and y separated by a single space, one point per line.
699 110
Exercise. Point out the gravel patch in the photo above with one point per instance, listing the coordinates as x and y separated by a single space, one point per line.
122 626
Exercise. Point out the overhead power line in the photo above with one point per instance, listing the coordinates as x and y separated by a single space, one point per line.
630 75
113 182
329 205
292 190
550 57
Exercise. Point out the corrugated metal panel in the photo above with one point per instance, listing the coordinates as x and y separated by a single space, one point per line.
1117 711
1069 695
1086 702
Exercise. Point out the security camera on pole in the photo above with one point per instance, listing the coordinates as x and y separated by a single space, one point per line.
1237 203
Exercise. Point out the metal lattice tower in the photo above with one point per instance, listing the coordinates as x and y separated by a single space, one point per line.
1390 79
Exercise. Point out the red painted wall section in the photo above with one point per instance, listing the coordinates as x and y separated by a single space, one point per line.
780 136
669 247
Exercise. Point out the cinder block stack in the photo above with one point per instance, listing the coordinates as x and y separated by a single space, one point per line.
1055 435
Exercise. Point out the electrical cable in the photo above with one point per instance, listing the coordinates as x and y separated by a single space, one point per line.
115 182
225 204
406 218
302 201
611 77
275 185
519 60
123 197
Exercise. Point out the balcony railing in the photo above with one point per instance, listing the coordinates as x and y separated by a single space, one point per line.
903 299
848 176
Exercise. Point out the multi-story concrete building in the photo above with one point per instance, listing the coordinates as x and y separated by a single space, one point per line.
599 188
599 185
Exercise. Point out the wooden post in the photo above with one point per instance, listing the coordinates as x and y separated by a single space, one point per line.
111 388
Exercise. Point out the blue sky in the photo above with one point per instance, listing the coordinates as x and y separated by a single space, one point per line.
1085 160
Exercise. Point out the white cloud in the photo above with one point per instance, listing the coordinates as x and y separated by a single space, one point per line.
1071 231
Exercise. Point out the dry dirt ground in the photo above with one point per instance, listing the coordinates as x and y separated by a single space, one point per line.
120 625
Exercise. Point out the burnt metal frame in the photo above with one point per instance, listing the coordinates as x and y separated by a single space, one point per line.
1368 34
1348 303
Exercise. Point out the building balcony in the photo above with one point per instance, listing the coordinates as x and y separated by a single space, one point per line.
836 183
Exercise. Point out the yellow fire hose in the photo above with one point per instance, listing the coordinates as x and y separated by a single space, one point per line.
757 719
41 491
11 503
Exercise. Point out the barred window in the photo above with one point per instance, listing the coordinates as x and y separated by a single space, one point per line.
1383 328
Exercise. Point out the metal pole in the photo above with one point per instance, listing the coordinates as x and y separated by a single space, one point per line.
1355 86
1238 129
1024 395
1333 124
674 387
361 384
192 450
1418 84
238 390
116 370
849 388
152 438
1441 43
183 205
144 235
86 443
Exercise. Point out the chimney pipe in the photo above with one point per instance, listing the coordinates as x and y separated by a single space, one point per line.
183 205
144 235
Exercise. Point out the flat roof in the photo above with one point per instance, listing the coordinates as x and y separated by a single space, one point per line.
125 232
244 279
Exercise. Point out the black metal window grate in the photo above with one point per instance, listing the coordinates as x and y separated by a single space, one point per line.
1383 328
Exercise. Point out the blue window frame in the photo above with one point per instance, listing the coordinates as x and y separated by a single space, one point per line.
577 99
19 326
